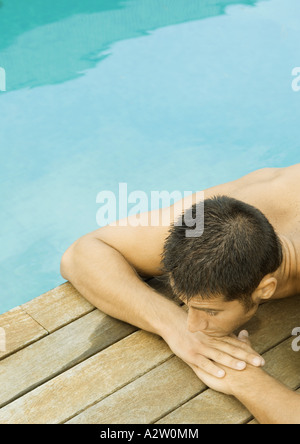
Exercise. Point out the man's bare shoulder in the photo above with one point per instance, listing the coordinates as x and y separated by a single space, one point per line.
291 173
268 174
240 187
256 179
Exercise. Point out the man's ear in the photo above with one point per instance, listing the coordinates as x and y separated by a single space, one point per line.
266 289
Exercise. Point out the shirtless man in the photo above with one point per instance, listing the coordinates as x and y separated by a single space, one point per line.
248 253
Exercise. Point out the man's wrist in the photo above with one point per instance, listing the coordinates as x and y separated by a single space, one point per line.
170 320
241 383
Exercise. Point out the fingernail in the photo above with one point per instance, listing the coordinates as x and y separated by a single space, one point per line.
221 374
241 365
258 362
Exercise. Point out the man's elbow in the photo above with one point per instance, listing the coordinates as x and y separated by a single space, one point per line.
64 263
67 262
71 259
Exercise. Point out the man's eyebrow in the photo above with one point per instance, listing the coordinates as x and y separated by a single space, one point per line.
206 309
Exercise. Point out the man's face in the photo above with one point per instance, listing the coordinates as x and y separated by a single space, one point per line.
216 317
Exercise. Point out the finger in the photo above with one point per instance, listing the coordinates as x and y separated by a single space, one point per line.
201 374
223 358
244 337
209 367
206 378
238 343
245 344
240 351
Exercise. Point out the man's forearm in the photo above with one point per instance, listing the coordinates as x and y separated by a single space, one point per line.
106 279
268 400
103 276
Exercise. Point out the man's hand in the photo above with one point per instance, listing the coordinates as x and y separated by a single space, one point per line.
205 353
233 379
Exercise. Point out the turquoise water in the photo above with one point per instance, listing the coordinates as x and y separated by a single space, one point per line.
160 94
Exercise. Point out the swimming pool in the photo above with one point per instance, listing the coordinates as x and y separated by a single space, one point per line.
158 94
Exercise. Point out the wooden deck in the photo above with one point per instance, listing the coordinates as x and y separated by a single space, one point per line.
66 362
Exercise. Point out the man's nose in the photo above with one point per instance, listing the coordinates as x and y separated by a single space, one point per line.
196 321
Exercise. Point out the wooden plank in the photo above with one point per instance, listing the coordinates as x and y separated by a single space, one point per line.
136 403
211 407
20 330
64 304
146 399
85 384
56 392
283 363
60 364
273 322
57 352
58 307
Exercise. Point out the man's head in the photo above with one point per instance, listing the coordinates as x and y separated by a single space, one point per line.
229 268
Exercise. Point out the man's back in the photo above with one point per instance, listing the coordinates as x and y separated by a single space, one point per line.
274 191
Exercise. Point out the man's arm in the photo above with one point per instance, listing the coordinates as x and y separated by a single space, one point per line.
107 280
269 401
105 266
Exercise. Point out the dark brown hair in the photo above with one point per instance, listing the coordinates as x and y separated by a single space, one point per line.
237 249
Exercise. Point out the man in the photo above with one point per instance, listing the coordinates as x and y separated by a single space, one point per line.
248 253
